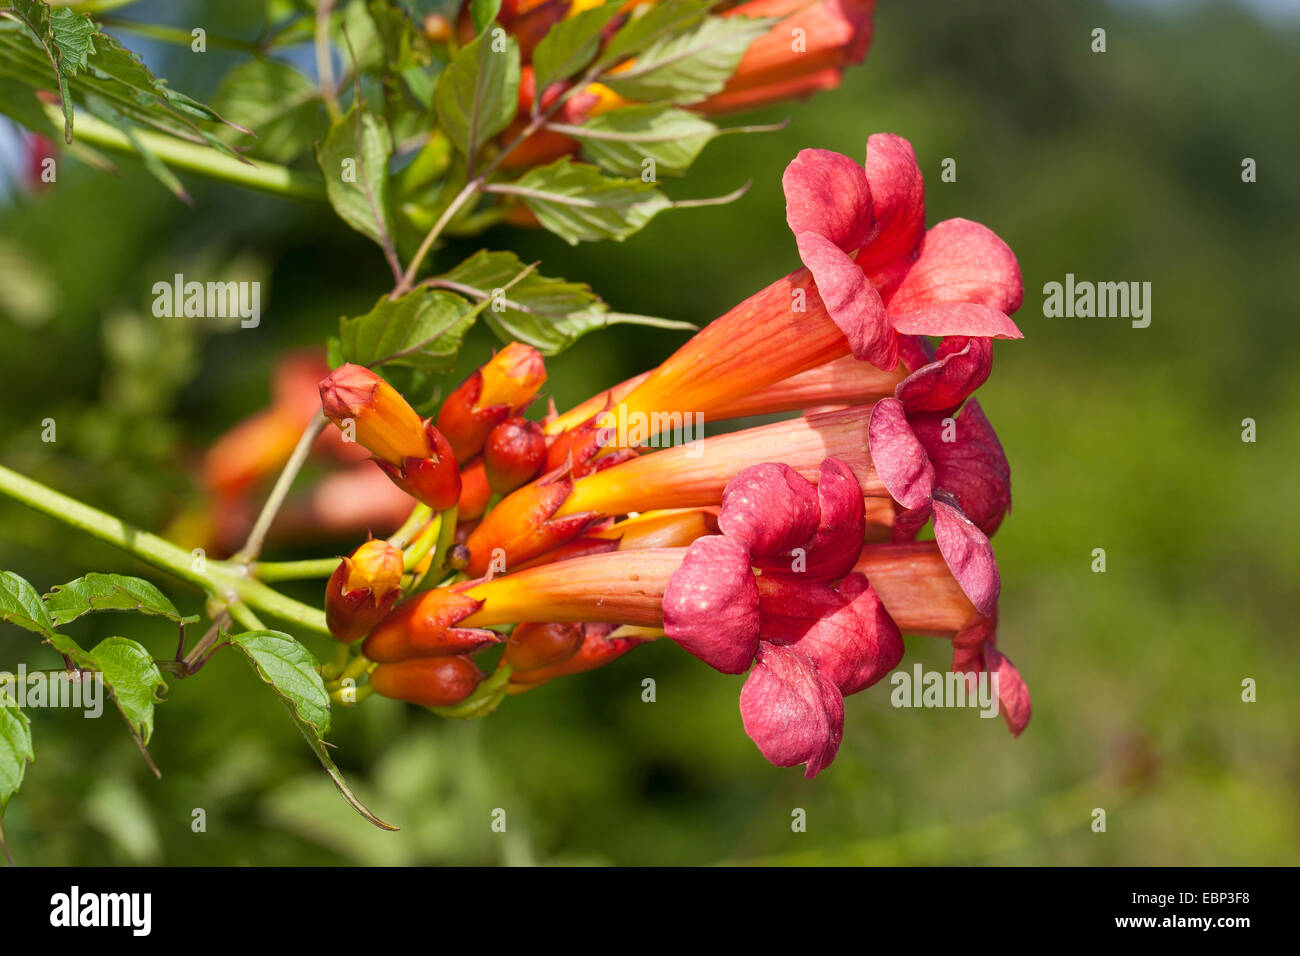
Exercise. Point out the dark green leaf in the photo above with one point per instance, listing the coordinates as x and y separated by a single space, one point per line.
422 329
577 203
290 670
131 674
571 44
691 66
478 94
108 592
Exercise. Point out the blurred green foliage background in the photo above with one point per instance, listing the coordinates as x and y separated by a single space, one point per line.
1117 166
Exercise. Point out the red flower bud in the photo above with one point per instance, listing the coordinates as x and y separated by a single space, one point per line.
535 645
494 392
428 681
362 589
598 649
475 492
513 454
411 451
433 479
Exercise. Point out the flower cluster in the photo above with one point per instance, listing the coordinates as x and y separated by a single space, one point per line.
789 551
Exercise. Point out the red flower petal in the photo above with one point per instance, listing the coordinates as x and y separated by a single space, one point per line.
899 457
954 318
851 301
711 604
790 607
826 193
770 508
841 532
857 643
1013 693
962 366
968 553
898 200
973 467
961 261
791 713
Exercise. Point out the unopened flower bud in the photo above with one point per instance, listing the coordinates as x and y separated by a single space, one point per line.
383 422
458 557
513 454
433 479
494 392
534 645
475 492
362 590
410 450
428 681
426 626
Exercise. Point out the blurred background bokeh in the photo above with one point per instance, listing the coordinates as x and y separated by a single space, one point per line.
1121 166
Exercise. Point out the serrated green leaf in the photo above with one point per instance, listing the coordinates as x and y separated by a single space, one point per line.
478 93
621 140
71 650
577 203
65 36
354 161
109 592
290 670
571 44
21 604
65 52
657 22
547 313
15 749
423 329
133 677
691 66
277 102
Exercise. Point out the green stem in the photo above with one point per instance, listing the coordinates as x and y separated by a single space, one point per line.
145 546
253 546
227 582
270 571
413 523
204 160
